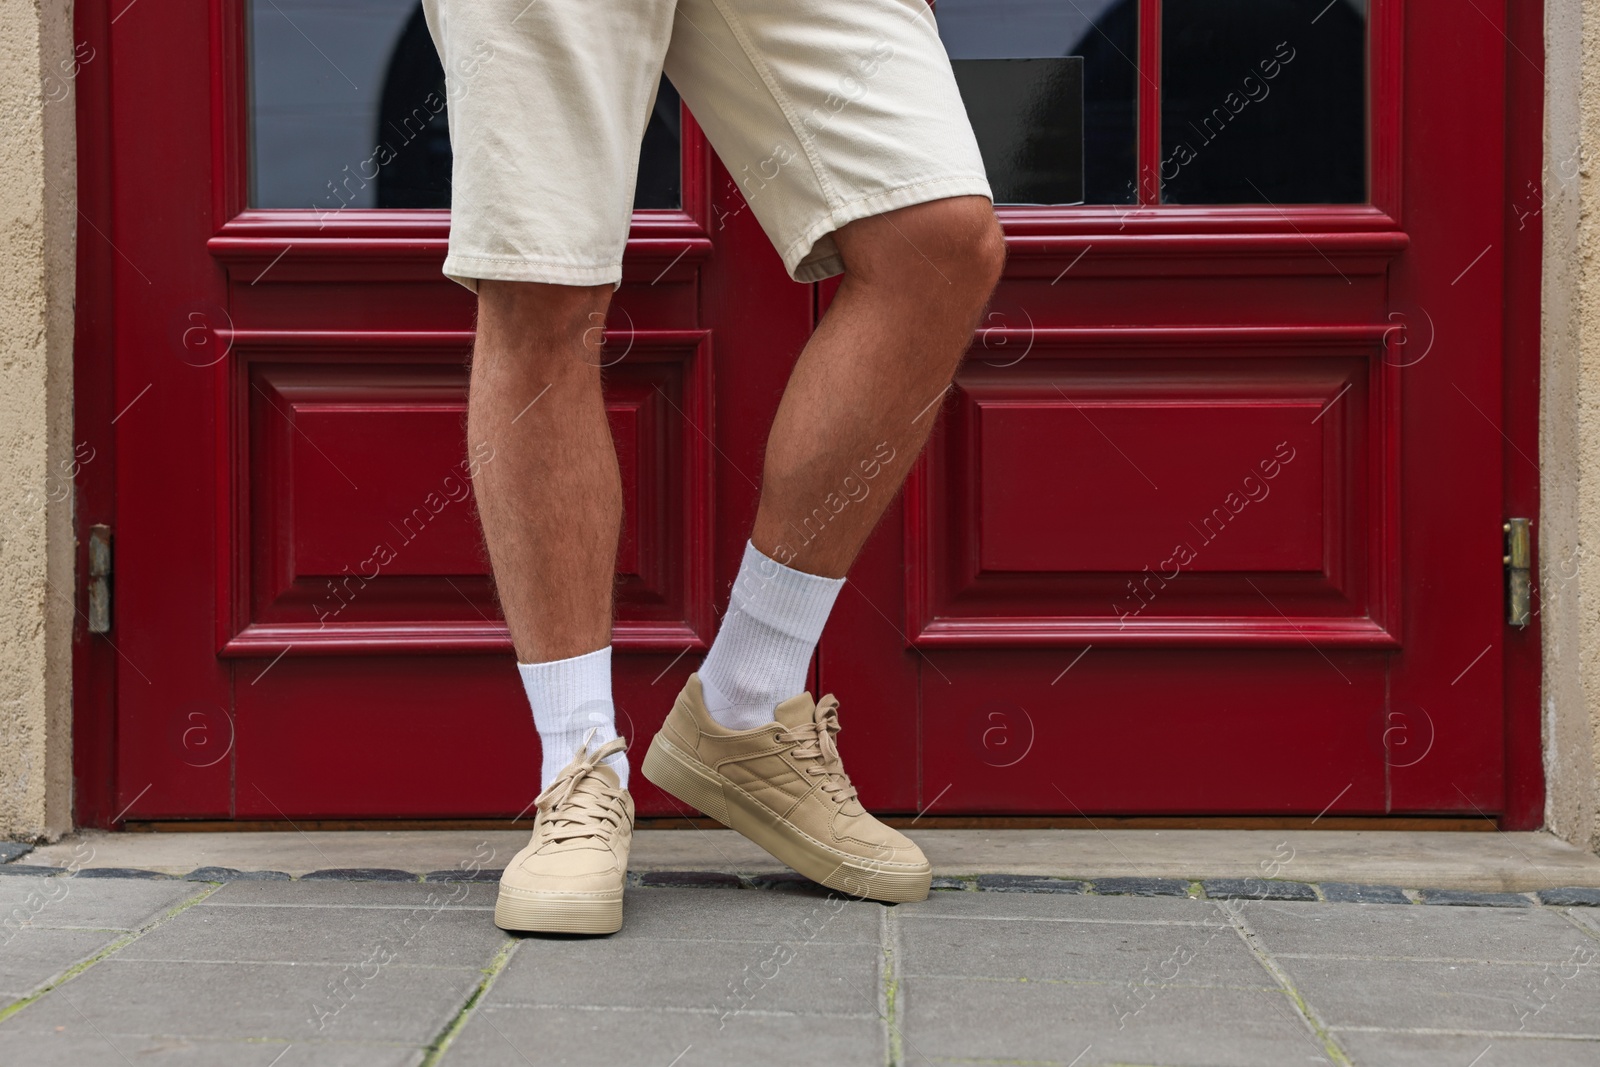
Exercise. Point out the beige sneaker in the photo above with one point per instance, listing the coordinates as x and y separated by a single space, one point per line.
569 878
783 787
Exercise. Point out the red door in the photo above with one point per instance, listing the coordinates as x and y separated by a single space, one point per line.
1210 524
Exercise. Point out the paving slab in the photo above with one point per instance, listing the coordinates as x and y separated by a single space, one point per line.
33 956
465 895
500 1036
1066 908
77 1050
670 914
363 937
287 1002
1400 1049
1068 951
1484 998
110 905
1488 861
721 977
1409 931
1049 1022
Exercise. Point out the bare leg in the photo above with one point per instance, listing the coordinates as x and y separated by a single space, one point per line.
915 284
550 496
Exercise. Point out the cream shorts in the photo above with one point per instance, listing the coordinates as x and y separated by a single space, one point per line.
824 112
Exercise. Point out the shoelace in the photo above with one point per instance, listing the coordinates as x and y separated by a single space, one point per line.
816 741
595 810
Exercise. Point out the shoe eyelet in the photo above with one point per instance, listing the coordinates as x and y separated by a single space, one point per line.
777 739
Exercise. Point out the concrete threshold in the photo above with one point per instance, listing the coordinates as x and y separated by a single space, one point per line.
1504 862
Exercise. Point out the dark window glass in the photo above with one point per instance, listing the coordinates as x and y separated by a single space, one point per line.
347 109
1263 101
1027 115
1024 109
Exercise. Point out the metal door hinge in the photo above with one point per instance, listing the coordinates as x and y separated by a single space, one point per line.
99 579
1519 572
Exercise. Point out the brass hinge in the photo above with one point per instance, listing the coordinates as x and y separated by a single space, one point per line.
1519 572
99 579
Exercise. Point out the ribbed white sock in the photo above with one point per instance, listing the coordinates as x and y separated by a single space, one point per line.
759 658
570 697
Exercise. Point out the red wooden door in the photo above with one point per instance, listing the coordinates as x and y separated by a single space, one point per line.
1212 522
304 619
303 625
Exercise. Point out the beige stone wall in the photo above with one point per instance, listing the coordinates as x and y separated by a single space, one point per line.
37 256
1569 532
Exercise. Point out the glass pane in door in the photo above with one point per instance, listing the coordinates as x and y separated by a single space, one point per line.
1264 101
1050 156
347 110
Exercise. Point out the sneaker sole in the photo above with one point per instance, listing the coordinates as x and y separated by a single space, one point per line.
558 913
702 788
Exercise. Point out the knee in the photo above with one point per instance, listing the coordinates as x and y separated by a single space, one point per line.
981 246
536 323
953 246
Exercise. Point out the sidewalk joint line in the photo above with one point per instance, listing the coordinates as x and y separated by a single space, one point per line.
889 987
1318 1029
441 1041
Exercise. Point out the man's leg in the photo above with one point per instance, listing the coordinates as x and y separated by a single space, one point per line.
915 285
550 500
743 742
857 410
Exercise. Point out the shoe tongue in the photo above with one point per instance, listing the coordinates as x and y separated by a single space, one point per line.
796 711
604 772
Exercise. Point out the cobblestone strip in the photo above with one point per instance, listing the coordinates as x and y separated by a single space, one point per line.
52 984
1235 912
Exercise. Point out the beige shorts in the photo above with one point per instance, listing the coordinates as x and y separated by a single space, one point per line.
824 112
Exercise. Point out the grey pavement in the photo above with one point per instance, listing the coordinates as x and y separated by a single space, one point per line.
120 971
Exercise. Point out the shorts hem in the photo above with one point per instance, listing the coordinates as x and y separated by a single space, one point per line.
794 256
468 270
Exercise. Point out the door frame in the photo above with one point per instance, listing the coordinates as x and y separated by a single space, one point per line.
659 239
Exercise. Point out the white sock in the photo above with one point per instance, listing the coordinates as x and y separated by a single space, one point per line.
570 697
759 658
